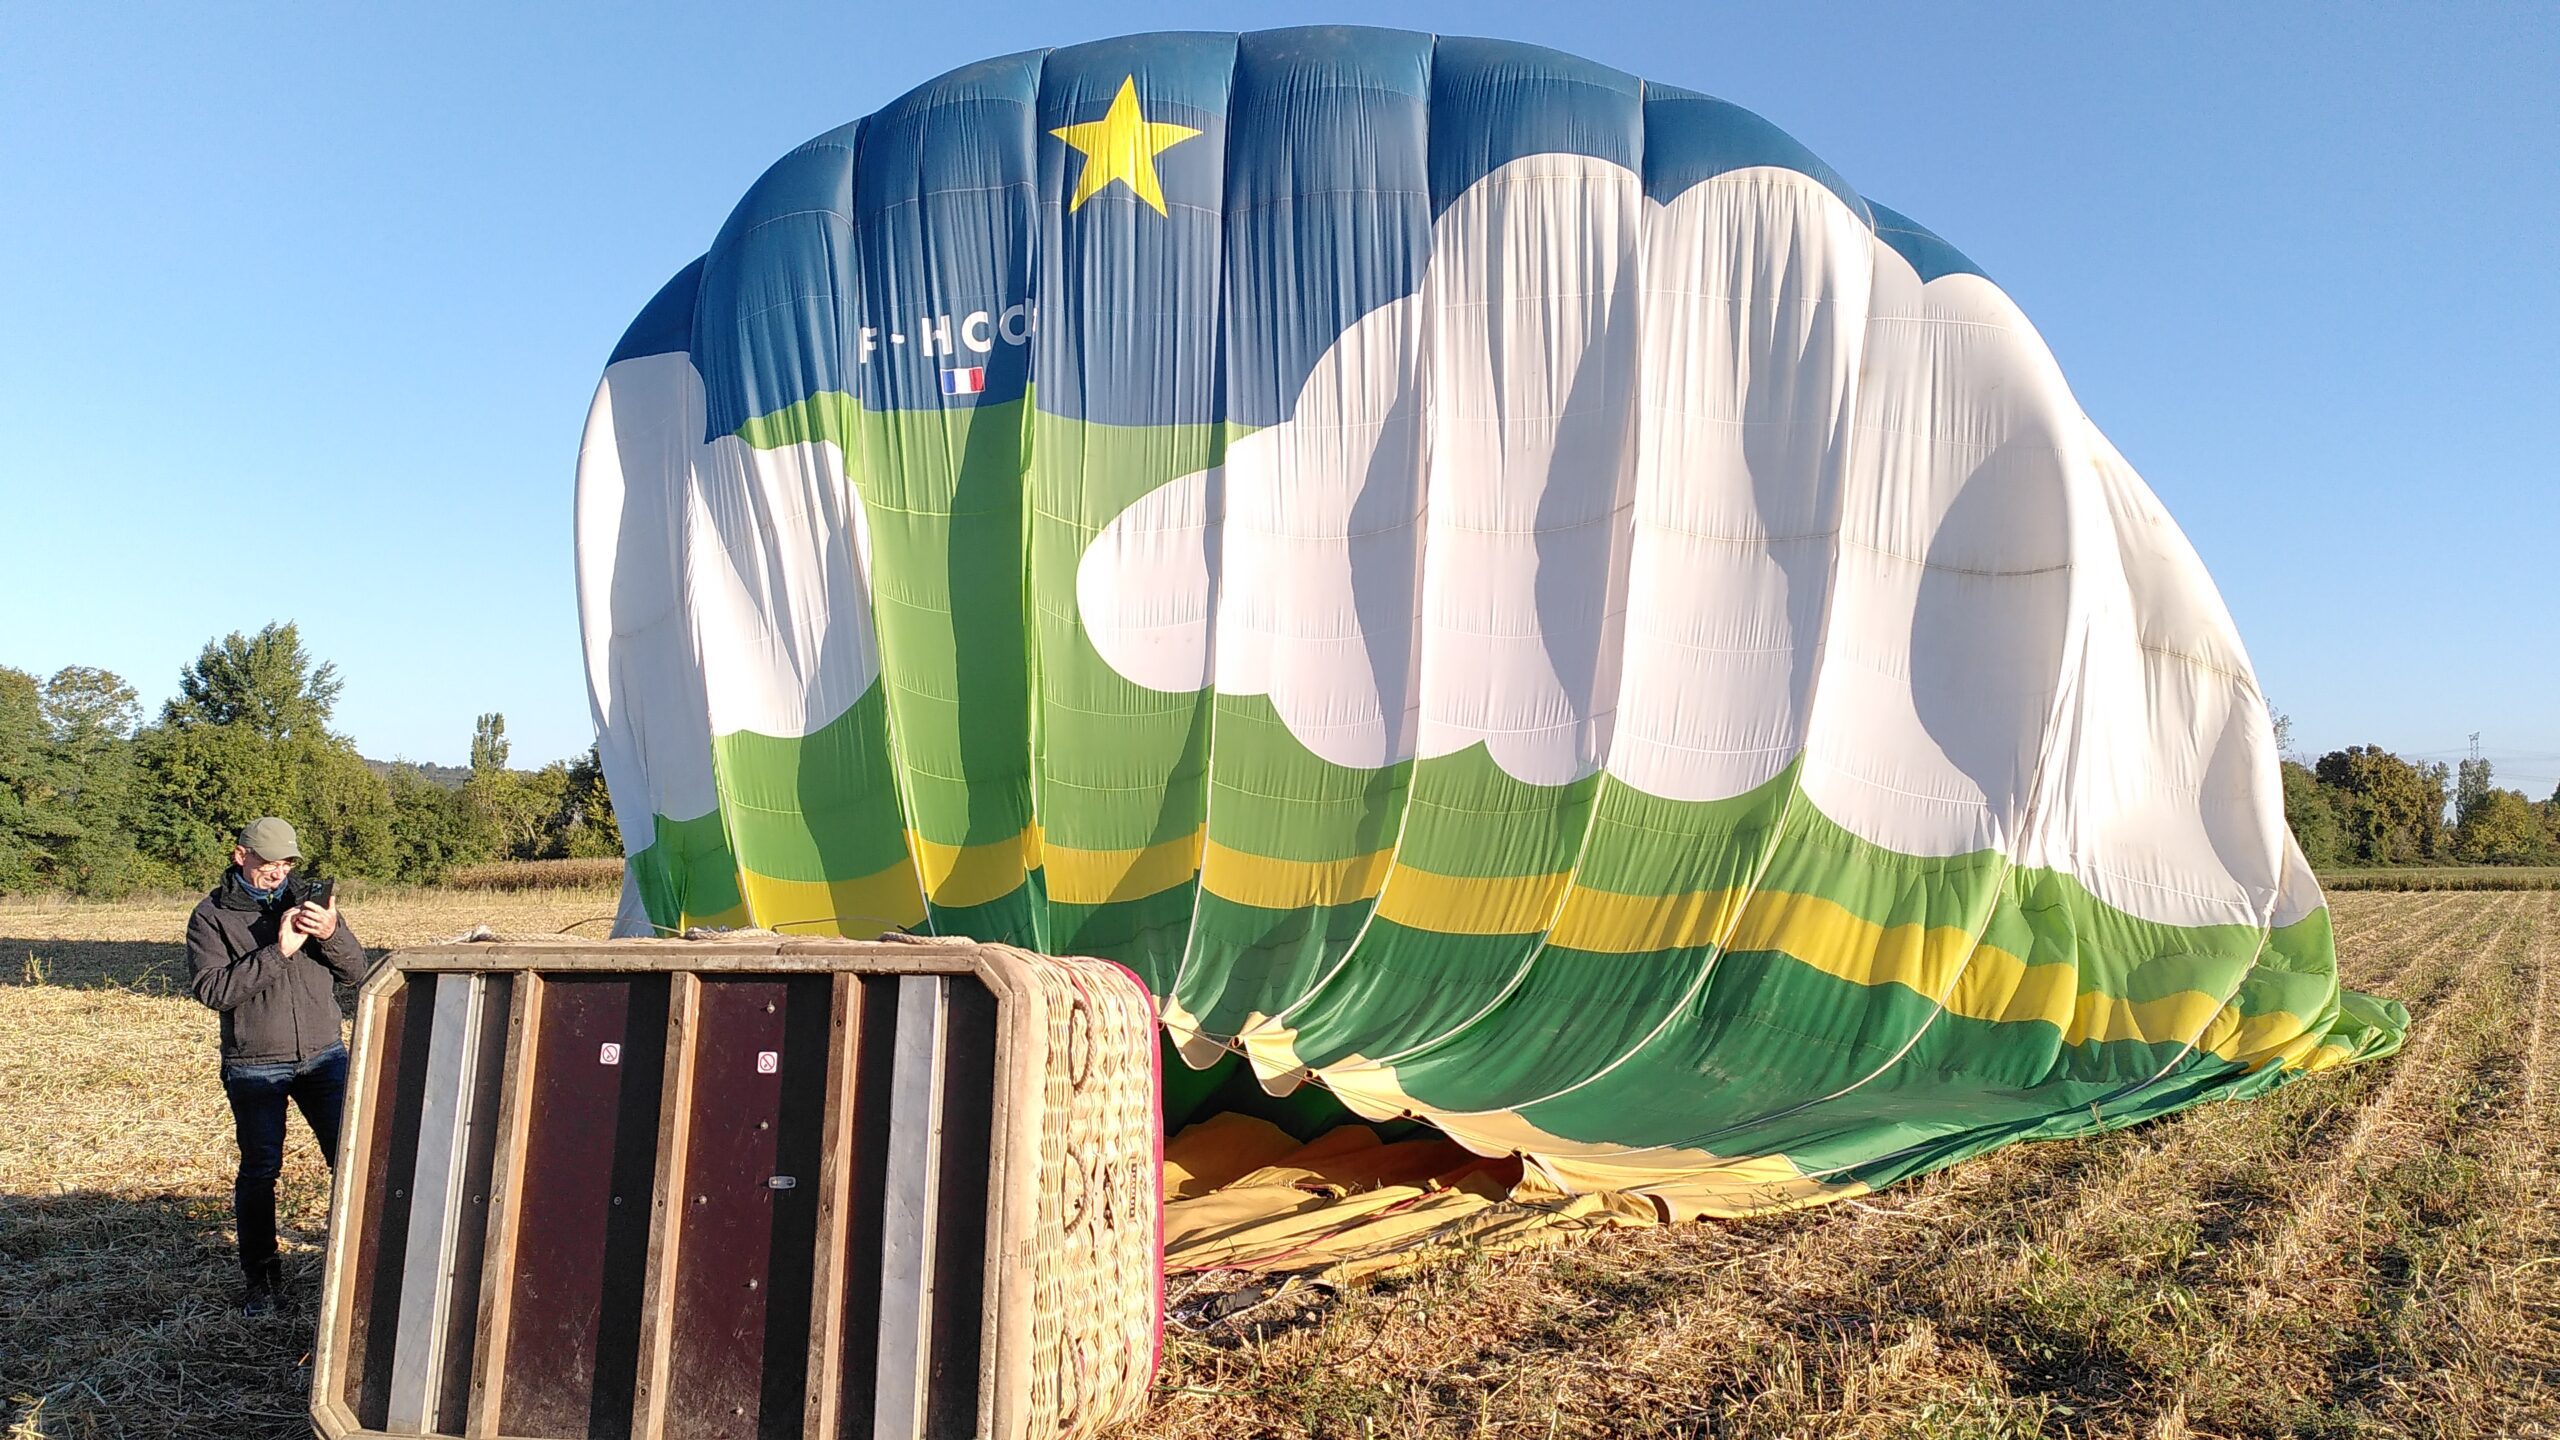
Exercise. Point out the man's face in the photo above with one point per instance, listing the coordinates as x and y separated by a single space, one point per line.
261 874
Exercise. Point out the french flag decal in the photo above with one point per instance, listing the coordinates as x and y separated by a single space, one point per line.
967 380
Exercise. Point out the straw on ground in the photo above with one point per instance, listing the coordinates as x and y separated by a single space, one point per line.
2370 1252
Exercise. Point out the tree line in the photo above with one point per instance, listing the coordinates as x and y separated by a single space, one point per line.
96 801
2366 806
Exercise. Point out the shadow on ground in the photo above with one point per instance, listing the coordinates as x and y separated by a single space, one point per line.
157 967
123 1320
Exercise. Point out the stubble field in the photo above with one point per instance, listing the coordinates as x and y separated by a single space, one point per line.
2372 1252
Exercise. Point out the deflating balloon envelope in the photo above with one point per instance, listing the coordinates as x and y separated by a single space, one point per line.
1509 590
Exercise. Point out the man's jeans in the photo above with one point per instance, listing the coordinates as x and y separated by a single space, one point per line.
258 1095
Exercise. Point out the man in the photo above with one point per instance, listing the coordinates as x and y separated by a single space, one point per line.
269 966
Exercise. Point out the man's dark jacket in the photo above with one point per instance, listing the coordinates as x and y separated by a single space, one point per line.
274 1006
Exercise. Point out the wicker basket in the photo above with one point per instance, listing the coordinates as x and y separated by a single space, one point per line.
744 1186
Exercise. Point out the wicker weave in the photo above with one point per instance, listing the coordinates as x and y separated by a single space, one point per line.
1097 1319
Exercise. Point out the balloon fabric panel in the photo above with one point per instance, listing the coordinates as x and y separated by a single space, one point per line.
1510 592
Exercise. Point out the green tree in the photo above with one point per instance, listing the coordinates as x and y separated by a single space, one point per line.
2392 812
266 682
431 832
505 816
90 716
2470 788
515 809
2501 828
489 743
518 814
586 824
2314 820
201 784
556 812
246 735
89 708
26 783
67 783
346 809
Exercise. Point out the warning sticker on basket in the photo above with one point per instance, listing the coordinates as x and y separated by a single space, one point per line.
768 1061
611 1054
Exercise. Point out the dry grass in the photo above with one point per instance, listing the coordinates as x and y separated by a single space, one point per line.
116 1274
2444 877
538 875
2373 1252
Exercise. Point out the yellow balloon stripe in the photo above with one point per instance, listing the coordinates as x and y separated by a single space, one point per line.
1981 982
958 875
733 918
1271 884
1100 877
1472 904
1610 923
1977 981
861 908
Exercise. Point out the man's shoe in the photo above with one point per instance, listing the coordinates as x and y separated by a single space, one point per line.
259 1297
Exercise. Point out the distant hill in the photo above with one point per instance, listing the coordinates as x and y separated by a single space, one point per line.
448 776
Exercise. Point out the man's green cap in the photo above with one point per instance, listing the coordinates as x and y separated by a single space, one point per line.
269 838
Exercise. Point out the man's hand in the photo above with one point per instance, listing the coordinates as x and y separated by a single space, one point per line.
289 931
318 921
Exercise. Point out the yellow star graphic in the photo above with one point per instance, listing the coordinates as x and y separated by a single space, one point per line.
1122 145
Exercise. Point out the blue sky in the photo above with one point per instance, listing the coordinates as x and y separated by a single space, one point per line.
303 306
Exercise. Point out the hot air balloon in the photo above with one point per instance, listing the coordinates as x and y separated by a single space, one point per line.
1506 591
